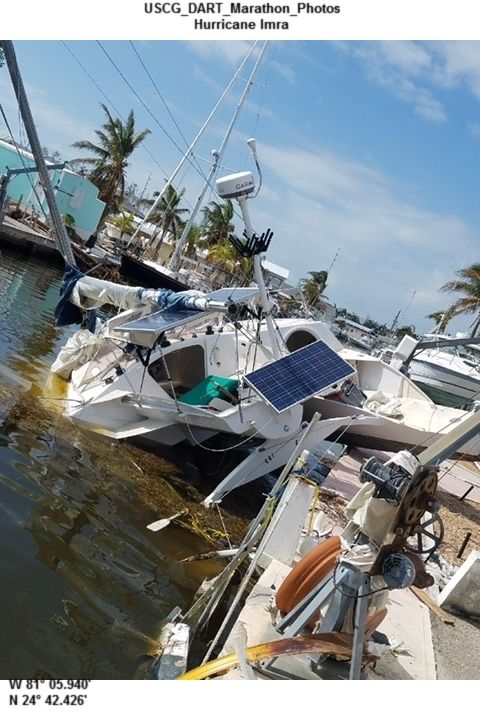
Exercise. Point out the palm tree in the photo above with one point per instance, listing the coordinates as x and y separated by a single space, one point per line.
225 257
125 222
193 238
218 222
116 142
405 331
315 286
168 217
442 318
467 284
69 222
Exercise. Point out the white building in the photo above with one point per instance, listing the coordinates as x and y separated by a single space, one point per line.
356 333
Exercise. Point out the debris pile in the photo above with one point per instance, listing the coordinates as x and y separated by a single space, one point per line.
442 571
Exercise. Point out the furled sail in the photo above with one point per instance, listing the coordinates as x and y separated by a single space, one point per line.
79 293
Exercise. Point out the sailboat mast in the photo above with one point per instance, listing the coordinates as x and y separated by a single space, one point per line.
175 259
190 149
61 237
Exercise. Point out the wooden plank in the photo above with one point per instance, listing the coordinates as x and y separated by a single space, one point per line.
439 612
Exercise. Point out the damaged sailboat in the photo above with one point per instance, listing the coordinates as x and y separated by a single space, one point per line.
186 366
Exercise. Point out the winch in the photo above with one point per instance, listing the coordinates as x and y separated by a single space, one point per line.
384 547
390 479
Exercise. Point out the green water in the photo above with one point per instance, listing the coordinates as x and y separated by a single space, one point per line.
84 585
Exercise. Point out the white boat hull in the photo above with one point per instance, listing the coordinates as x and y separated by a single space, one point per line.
392 434
114 409
445 380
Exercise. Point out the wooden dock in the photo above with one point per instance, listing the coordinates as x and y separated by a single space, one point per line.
22 237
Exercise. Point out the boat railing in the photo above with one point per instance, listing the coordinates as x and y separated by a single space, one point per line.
439 344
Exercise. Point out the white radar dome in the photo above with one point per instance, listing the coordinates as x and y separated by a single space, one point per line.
236 185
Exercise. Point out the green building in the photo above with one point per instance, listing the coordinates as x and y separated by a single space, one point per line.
75 194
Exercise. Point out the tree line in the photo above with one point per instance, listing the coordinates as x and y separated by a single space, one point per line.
106 167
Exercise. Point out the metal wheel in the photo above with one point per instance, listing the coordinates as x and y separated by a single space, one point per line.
427 539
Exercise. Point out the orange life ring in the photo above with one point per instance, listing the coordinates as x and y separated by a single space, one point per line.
309 571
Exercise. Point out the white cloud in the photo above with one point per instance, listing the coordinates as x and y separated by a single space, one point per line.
457 64
427 106
475 129
285 71
414 71
397 66
207 79
233 52
58 126
407 56
388 246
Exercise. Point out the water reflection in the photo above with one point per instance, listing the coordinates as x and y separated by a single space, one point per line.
85 585
76 559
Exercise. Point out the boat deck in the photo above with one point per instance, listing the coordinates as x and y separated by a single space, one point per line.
407 624
407 627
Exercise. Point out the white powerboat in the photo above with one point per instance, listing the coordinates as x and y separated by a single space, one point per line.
449 369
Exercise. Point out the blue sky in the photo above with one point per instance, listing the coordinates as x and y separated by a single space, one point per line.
370 148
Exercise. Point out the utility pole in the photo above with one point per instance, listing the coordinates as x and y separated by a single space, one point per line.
333 261
395 321
61 237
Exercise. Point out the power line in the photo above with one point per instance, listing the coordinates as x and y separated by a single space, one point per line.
95 83
116 110
109 101
32 185
147 108
159 93
165 104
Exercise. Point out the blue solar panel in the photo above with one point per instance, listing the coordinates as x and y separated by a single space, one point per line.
161 321
233 294
300 375
151 326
